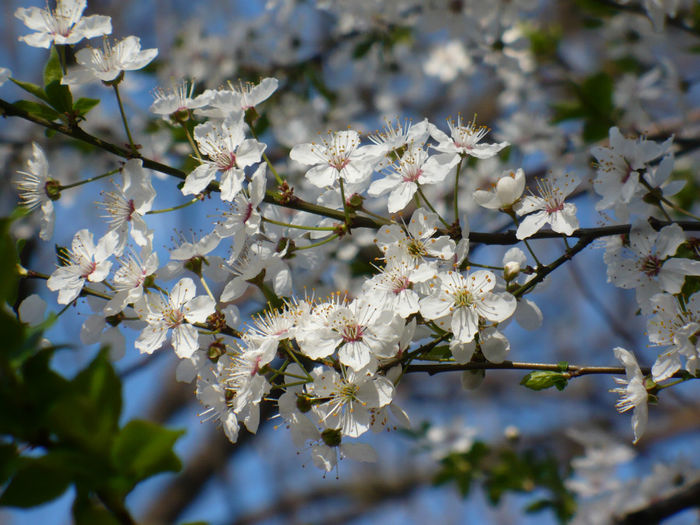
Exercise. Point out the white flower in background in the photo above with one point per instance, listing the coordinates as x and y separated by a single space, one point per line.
63 25
675 325
176 99
228 151
447 61
36 188
633 394
619 166
108 63
348 398
336 156
505 192
389 144
130 278
32 310
176 312
5 75
549 207
232 102
647 264
84 261
460 302
413 169
464 140
127 205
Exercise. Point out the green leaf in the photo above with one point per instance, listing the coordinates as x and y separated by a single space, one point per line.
35 483
143 449
101 385
542 379
83 105
59 97
8 264
52 70
87 511
38 109
32 88
8 461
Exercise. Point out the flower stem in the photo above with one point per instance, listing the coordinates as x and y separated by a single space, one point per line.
346 212
299 226
178 207
456 191
427 203
279 179
91 179
320 243
193 144
126 125
206 288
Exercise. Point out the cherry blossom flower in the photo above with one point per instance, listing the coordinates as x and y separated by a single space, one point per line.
233 102
38 190
417 243
176 312
633 394
336 156
361 331
675 325
505 192
647 264
460 302
392 288
176 99
389 144
549 207
108 63
619 166
228 152
242 219
414 168
348 398
127 205
464 140
84 261
129 280
63 25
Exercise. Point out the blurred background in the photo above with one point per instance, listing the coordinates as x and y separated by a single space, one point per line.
549 77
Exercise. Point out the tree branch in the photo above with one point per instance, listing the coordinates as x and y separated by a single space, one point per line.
678 500
569 371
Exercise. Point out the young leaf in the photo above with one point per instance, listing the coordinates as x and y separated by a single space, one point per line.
542 379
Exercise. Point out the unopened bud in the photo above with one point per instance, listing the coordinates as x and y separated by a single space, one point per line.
216 350
511 270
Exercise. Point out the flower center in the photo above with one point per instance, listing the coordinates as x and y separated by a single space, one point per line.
464 298
651 266
352 333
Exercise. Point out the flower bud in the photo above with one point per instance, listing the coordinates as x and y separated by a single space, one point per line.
511 270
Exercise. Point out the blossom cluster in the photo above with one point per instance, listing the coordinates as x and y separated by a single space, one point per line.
333 364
